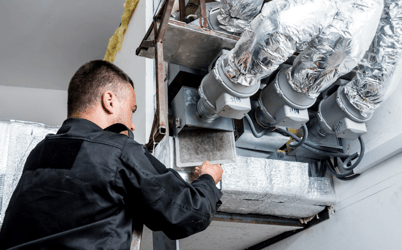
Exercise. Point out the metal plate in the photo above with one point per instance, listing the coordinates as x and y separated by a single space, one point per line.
193 147
184 107
189 45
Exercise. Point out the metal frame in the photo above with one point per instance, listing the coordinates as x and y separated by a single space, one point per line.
160 123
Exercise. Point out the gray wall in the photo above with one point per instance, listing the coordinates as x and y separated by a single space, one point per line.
46 106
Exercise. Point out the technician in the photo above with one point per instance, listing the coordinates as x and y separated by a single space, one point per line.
91 184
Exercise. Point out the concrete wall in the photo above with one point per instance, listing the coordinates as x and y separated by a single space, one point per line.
32 104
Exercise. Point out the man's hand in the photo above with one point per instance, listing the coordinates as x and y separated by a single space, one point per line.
215 170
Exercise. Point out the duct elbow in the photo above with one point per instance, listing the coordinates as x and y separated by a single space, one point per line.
338 48
274 35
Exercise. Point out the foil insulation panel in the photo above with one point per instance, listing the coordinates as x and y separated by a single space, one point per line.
274 35
17 139
236 15
338 48
380 70
264 186
274 187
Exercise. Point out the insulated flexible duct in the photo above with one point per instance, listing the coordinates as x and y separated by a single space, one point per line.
236 15
338 48
274 35
377 76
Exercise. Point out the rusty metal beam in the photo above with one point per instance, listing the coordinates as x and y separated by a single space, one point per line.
144 40
160 32
182 6
159 126
203 19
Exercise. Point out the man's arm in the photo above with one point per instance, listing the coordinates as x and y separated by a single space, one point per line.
164 201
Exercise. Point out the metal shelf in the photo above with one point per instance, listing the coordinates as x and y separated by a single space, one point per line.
187 45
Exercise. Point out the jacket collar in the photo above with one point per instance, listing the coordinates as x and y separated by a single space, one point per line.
78 124
84 127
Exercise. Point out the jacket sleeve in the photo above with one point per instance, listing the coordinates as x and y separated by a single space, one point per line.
164 200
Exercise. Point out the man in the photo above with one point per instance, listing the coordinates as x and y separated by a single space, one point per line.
89 185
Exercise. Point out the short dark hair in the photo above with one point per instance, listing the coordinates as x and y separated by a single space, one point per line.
88 83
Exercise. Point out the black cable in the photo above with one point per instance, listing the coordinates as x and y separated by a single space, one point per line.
344 165
302 141
250 123
312 146
332 169
344 176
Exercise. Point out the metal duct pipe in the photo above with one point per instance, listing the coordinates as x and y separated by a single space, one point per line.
338 48
377 76
274 35
221 97
236 15
336 115
280 104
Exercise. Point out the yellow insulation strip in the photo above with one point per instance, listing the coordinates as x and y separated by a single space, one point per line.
116 41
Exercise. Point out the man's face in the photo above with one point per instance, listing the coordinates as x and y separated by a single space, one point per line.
127 107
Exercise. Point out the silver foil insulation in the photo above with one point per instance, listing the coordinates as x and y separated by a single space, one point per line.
263 186
274 35
338 48
17 139
236 15
380 69
273 187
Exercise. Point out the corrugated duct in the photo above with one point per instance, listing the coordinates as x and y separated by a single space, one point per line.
236 15
274 35
338 48
380 70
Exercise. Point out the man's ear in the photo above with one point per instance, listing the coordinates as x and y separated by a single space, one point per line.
108 102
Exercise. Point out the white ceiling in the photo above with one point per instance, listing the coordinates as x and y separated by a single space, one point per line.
43 42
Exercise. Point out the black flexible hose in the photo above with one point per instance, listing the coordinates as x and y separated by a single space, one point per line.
311 146
344 165
304 136
330 167
250 123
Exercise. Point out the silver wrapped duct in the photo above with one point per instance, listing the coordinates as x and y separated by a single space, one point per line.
338 48
17 139
273 187
236 15
264 186
380 70
274 35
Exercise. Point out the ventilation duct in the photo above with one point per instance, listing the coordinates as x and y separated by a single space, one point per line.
375 79
338 48
236 15
274 35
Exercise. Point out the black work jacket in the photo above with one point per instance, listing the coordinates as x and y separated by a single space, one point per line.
87 188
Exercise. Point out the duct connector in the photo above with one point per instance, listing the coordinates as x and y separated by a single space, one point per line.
380 71
219 96
273 36
336 115
279 104
333 53
236 15
338 48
